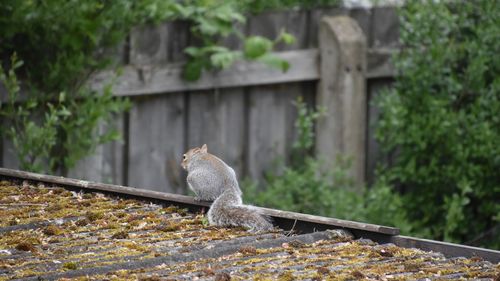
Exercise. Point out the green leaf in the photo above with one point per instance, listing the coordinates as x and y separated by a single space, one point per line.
224 59
256 46
275 61
62 96
193 51
192 70
287 37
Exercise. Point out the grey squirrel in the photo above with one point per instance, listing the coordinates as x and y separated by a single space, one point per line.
212 179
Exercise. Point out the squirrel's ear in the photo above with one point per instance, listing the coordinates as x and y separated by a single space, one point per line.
204 148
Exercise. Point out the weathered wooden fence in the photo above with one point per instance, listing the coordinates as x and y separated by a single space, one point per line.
245 114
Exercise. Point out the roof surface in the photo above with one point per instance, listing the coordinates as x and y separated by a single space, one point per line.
51 233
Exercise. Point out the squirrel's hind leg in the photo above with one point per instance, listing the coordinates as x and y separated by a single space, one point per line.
203 186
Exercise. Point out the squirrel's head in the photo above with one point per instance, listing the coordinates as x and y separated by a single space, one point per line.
193 152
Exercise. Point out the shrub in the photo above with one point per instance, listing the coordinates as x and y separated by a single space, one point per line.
442 119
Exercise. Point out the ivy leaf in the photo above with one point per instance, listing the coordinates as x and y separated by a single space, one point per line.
192 70
256 46
287 37
224 59
275 61
192 51
207 26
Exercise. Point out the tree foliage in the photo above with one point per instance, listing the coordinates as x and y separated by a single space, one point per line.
54 46
442 119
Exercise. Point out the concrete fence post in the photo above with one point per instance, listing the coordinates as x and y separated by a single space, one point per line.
342 90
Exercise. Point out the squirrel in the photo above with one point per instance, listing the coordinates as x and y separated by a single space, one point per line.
207 174
212 179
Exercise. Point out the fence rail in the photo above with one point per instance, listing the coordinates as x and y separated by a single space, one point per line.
304 66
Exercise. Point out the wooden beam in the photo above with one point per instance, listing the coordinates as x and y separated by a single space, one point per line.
150 79
448 249
190 202
147 80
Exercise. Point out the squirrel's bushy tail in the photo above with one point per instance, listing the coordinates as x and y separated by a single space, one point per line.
245 216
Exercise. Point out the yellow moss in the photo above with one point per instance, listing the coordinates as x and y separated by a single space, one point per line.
5 183
27 273
263 277
52 230
135 246
94 215
26 246
171 227
286 276
87 196
70 265
120 235
83 222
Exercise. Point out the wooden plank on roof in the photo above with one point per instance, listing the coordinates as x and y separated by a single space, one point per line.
448 249
187 200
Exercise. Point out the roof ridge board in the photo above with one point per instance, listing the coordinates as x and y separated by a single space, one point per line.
189 201
446 248
212 252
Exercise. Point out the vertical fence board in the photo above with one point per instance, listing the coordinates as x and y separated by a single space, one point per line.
156 139
271 112
267 130
105 164
385 27
9 156
156 143
114 153
216 118
374 155
364 18
90 167
148 44
178 39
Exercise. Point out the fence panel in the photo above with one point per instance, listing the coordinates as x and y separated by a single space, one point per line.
245 114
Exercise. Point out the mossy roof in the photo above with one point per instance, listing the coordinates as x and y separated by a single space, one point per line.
52 233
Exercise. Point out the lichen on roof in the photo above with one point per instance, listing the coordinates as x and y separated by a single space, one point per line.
53 233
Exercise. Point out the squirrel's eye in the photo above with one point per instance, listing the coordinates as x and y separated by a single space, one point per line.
184 156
